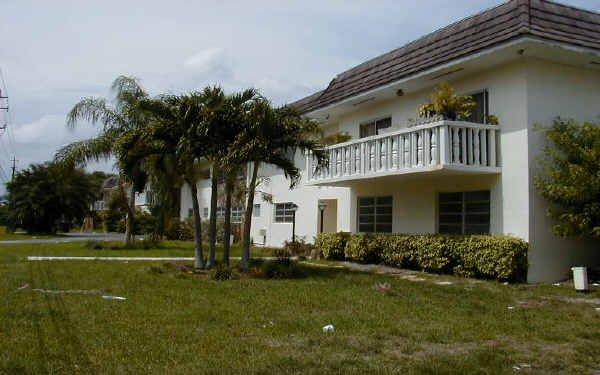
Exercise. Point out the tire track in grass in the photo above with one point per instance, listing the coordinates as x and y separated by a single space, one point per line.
75 358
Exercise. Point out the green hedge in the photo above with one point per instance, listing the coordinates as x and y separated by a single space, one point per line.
332 245
481 256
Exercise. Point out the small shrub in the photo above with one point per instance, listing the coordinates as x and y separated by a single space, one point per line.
299 247
365 248
94 244
483 256
172 229
222 273
332 245
282 268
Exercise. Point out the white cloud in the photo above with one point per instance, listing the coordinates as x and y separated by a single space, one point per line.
207 59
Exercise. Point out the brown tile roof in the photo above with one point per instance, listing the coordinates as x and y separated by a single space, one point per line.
513 19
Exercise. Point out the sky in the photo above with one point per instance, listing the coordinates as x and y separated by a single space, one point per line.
54 53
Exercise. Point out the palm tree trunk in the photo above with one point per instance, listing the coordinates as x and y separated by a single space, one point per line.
212 234
245 262
226 243
198 255
130 217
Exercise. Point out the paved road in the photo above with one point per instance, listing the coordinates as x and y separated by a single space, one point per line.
72 237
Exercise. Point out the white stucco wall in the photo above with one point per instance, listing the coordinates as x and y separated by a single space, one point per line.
556 90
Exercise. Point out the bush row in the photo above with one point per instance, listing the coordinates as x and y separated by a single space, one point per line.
482 256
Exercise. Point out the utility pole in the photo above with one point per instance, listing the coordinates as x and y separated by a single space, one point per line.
13 168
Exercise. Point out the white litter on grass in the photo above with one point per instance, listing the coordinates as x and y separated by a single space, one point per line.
521 366
598 309
511 307
115 297
23 287
444 283
329 328
595 284
67 291
556 284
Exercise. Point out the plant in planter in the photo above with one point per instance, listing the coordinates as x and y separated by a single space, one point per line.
333 139
446 104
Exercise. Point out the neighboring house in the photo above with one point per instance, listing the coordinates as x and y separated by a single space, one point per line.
525 61
111 185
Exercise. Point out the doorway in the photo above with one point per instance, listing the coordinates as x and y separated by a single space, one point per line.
329 216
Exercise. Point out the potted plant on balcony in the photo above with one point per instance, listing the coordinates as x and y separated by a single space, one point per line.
447 105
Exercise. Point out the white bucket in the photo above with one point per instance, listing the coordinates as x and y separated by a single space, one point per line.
580 278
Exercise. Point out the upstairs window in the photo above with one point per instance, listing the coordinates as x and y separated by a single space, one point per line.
375 215
284 212
464 213
373 127
481 110
256 210
236 214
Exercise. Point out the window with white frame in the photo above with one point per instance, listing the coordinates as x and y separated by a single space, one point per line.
256 210
375 214
236 214
220 212
373 127
284 212
464 212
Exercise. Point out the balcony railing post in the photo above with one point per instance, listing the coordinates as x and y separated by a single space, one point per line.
484 148
492 147
469 154
477 152
444 142
427 146
463 140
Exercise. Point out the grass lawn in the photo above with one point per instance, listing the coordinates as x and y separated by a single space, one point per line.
179 323
12 236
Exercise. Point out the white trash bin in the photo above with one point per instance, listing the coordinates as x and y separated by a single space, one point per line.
580 279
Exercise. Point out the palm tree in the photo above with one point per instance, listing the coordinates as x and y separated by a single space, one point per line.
170 142
117 120
271 136
222 120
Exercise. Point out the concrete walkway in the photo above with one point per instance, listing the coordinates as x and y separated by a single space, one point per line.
72 237
35 258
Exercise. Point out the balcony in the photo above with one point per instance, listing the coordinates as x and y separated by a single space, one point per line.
452 147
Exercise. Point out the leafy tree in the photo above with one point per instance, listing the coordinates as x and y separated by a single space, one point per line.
272 136
117 120
571 178
44 195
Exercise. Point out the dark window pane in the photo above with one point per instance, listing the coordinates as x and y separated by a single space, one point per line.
478 207
382 210
450 197
367 210
366 201
384 200
367 130
477 196
366 228
366 219
383 123
478 113
451 219
477 219
450 207
450 229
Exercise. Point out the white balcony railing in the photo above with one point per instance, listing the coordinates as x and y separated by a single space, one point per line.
444 144
100 206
